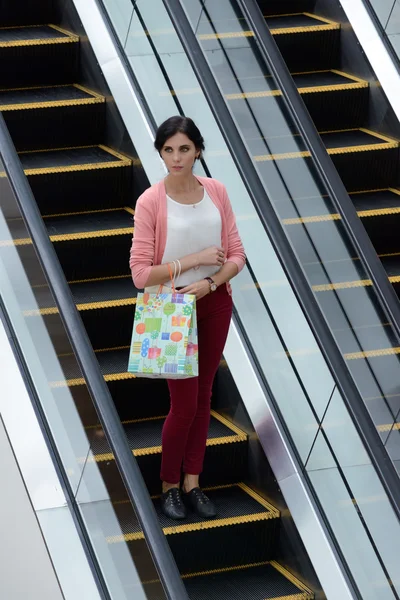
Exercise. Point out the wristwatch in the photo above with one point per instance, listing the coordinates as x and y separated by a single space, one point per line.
213 285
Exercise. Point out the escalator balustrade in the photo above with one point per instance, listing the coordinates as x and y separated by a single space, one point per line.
85 192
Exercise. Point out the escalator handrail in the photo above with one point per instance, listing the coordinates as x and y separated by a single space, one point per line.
290 265
327 172
100 394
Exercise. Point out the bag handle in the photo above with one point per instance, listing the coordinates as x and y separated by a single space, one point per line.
172 279
172 282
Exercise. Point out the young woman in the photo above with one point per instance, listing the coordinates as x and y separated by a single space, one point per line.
189 220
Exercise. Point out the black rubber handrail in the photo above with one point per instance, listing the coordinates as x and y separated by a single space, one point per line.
327 172
85 356
294 272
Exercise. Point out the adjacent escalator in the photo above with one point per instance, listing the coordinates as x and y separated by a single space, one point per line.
361 135
86 187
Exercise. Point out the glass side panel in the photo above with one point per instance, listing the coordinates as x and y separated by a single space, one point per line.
63 399
268 312
388 13
338 279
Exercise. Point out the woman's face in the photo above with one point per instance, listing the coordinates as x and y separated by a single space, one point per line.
179 154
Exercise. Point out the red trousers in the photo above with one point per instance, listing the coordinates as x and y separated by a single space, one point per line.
185 430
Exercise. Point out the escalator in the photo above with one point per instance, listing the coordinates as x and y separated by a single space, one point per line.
85 187
361 134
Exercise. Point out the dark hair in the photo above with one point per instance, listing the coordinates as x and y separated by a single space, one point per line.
175 125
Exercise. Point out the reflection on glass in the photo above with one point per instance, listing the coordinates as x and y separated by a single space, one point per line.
69 412
388 13
118 541
351 535
41 335
67 554
338 452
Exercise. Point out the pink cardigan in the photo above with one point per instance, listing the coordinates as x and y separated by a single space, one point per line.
150 234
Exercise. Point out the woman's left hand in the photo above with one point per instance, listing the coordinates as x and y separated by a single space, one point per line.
198 288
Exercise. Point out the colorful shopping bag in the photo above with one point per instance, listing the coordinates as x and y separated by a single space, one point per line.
164 339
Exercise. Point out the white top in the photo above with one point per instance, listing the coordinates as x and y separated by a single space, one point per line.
192 228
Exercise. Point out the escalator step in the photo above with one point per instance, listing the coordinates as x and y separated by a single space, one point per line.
335 100
265 581
53 116
307 42
25 12
225 460
102 238
77 179
337 142
127 390
244 529
364 159
38 55
379 211
107 308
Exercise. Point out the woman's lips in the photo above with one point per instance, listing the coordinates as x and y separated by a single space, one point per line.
177 168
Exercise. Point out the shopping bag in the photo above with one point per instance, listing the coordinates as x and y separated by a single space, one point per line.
164 339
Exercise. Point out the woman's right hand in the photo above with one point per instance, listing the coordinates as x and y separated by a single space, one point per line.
211 257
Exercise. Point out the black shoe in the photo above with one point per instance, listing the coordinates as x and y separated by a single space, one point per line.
172 504
201 504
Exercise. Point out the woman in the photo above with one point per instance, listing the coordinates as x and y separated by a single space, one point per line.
187 221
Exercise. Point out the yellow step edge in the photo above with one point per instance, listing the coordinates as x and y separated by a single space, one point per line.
372 353
302 90
123 161
52 310
308 593
95 99
343 285
87 212
70 38
330 151
389 427
327 25
305 595
212 524
82 235
387 143
272 513
325 287
386 396
336 217
51 104
239 436
348 356
274 93
215 572
67 237
281 31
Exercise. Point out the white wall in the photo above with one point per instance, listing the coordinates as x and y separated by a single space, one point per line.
26 570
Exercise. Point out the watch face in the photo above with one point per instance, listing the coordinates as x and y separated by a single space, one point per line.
213 287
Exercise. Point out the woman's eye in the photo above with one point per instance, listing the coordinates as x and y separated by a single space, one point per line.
185 149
